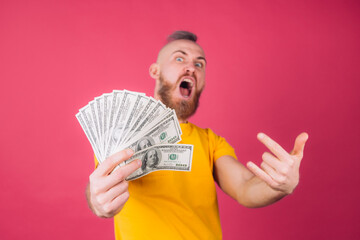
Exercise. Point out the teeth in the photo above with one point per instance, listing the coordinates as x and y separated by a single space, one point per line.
189 81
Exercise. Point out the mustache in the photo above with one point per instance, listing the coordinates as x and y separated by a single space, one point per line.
183 109
187 75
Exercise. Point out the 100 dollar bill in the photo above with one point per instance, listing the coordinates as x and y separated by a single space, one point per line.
165 132
176 157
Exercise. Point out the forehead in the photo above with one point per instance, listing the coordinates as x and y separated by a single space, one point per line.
187 46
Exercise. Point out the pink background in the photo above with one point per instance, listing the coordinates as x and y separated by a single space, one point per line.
281 67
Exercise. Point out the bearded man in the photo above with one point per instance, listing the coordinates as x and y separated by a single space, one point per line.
183 205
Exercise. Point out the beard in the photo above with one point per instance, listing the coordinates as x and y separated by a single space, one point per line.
183 108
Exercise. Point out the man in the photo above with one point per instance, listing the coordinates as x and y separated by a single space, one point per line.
151 160
183 205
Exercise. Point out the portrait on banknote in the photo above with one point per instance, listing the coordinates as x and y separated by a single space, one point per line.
150 160
145 142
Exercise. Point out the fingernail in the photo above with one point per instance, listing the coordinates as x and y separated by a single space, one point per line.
139 162
260 135
307 136
129 152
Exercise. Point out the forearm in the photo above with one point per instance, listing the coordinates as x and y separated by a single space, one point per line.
256 193
278 175
242 185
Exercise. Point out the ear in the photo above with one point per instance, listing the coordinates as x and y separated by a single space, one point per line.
154 70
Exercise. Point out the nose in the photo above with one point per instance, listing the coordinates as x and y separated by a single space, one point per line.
190 68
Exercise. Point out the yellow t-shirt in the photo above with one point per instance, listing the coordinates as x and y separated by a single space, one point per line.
177 205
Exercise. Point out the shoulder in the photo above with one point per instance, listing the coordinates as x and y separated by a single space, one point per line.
207 135
203 131
217 144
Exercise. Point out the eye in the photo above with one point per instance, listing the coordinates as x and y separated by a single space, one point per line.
179 59
199 65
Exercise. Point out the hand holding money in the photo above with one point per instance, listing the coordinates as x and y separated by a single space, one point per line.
130 120
107 193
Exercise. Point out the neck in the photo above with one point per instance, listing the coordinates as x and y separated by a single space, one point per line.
182 120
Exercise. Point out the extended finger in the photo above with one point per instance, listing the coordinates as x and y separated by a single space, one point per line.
271 160
273 146
272 172
260 173
300 144
111 162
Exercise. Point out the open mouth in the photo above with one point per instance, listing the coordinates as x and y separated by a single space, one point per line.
186 87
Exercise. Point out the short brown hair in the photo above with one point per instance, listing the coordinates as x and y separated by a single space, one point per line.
177 35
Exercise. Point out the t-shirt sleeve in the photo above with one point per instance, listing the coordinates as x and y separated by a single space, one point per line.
221 146
96 162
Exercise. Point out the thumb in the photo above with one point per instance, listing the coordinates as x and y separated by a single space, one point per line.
300 144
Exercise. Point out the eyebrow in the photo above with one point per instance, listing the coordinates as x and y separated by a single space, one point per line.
180 51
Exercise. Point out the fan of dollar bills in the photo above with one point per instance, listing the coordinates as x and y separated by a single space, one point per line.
124 119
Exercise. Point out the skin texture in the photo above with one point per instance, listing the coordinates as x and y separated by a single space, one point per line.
252 187
178 60
256 186
107 193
